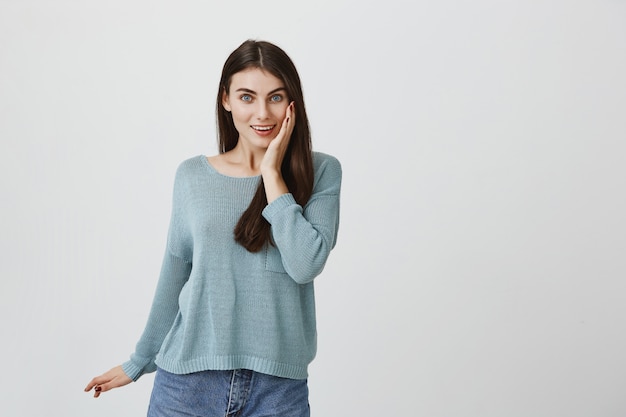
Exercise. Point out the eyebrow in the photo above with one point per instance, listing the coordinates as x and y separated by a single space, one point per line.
247 90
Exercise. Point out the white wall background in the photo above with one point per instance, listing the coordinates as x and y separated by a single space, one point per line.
481 265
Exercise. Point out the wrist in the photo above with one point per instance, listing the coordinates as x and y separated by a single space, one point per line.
271 174
274 186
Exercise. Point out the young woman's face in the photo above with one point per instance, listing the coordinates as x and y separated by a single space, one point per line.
258 102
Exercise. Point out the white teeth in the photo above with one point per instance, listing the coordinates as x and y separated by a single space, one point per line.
262 128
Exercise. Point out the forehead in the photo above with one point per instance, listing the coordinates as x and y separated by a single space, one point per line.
255 79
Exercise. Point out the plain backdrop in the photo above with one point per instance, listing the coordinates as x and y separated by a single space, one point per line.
480 267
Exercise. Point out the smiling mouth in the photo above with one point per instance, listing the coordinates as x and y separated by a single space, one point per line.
263 128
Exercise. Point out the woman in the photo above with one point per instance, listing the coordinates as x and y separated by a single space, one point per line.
232 325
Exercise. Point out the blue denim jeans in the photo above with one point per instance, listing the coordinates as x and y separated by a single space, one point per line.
238 393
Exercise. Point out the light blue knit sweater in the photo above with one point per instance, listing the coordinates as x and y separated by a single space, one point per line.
218 306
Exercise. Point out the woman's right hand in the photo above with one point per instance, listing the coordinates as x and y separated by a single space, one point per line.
114 378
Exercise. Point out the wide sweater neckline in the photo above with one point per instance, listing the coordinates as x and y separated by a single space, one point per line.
211 168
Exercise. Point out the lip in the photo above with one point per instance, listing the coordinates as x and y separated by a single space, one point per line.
263 130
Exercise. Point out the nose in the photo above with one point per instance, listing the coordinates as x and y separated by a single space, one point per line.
262 110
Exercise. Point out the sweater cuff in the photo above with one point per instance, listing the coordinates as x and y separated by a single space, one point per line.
270 211
132 370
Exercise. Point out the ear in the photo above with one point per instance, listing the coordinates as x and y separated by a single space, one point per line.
225 101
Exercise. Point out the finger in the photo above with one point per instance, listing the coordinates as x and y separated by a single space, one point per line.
289 115
283 132
289 112
115 382
288 122
292 114
92 384
99 380
99 389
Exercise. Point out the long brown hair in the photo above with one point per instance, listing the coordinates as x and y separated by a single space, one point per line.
252 230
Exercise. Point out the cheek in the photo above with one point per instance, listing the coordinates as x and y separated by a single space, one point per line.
281 112
240 113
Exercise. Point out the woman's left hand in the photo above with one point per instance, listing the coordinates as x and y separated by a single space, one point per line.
277 148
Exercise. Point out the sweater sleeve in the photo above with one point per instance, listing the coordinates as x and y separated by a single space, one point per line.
174 274
305 236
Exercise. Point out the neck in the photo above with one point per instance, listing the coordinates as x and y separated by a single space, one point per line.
245 159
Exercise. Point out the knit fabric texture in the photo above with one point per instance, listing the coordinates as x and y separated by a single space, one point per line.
218 306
